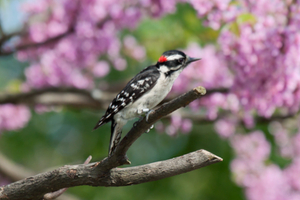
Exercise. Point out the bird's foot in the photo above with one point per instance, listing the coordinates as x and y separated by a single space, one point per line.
148 113
151 127
142 111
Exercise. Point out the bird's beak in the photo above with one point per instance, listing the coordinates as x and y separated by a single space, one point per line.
190 60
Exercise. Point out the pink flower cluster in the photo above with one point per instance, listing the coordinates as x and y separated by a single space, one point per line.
215 12
258 62
178 124
13 117
78 33
261 178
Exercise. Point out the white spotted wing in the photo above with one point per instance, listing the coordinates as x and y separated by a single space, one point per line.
134 89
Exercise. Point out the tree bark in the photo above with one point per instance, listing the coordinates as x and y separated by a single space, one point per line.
105 173
94 174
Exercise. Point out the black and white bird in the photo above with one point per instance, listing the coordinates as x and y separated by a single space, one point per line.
142 93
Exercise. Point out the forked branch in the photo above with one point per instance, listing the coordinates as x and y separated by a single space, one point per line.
105 173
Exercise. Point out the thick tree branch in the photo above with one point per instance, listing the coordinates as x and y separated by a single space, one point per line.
16 172
69 176
103 174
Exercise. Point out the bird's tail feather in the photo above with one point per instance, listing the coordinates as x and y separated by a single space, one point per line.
115 137
100 123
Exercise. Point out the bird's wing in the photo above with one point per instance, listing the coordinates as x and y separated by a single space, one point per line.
134 89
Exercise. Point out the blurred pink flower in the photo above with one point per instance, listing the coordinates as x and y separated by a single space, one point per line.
13 117
101 69
252 146
225 128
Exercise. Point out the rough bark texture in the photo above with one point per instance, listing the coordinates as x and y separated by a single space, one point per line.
105 173
95 174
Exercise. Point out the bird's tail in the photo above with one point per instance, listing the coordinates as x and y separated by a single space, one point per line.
115 136
102 121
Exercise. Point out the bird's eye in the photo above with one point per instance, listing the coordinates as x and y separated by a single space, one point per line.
180 60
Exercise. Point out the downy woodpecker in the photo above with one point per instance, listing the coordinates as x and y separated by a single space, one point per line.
142 93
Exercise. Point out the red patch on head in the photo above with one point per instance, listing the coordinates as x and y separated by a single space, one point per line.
162 59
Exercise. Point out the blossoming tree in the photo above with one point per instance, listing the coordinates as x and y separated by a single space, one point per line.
251 72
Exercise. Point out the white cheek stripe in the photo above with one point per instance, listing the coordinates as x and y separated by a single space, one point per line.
174 57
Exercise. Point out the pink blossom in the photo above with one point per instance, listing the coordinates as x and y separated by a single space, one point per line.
13 117
292 172
252 146
186 125
270 184
101 69
120 64
133 48
90 30
225 128
178 124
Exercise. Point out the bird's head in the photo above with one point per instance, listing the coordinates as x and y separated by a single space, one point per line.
174 60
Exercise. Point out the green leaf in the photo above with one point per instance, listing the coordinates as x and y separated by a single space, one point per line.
234 28
246 18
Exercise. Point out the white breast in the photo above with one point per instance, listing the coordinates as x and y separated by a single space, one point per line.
150 99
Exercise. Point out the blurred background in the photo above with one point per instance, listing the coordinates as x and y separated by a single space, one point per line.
63 61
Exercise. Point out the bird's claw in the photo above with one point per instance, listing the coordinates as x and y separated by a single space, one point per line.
148 113
151 127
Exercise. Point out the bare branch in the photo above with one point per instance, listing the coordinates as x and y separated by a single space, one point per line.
93 174
52 40
33 45
103 174
54 195
59 96
16 172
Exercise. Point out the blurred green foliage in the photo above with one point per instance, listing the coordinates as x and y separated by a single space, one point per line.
64 136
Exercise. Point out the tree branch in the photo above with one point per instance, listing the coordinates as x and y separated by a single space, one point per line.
52 40
102 173
32 45
74 175
60 96
16 172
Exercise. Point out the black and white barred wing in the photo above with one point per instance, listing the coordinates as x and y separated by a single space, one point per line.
135 88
